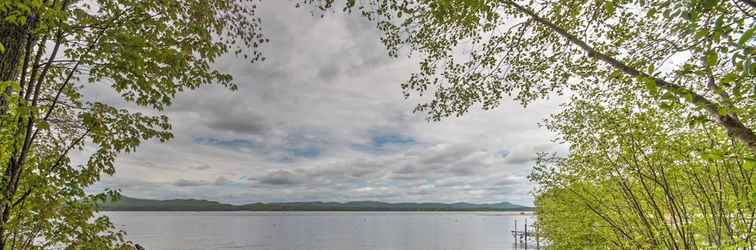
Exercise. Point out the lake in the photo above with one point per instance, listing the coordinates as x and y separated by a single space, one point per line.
320 230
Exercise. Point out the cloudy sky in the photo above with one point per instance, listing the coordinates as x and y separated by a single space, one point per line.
323 118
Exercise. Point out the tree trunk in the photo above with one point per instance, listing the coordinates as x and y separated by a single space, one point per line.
13 38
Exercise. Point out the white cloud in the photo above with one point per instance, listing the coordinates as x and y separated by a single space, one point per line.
323 118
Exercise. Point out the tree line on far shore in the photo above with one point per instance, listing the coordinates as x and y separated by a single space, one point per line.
133 204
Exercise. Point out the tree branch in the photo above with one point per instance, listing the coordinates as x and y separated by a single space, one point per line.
730 122
750 2
55 165
68 78
30 124
30 42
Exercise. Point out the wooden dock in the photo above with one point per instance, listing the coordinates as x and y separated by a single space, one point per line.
525 236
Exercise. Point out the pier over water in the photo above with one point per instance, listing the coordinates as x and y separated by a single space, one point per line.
525 237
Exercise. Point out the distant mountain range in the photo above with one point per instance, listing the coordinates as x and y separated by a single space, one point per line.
134 204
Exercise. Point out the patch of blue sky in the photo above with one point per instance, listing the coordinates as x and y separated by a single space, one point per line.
504 153
382 142
304 152
234 144
392 139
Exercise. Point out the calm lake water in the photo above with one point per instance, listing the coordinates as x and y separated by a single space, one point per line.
320 230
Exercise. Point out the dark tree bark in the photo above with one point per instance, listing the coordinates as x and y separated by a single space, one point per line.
13 38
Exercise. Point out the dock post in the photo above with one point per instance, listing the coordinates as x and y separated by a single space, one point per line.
526 233
538 239
514 233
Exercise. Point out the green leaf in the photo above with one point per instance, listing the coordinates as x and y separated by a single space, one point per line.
724 111
746 36
651 12
2 48
708 4
609 7
728 78
749 164
669 96
651 85
712 156
711 58
747 65
666 106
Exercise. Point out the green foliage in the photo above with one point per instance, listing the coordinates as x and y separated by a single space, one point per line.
642 177
566 226
147 51
476 53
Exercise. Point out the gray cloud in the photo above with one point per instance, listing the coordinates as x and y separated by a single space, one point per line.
527 153
189 183
220 181
201 166
241 123
520 158
324 119
280 177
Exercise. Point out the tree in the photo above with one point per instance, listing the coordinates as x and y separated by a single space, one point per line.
477 52
643 177
147 51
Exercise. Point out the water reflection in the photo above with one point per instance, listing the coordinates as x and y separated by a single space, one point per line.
320 230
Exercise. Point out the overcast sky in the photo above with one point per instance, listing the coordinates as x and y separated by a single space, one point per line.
323 118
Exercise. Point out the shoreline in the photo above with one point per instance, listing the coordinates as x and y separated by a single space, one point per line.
519 212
